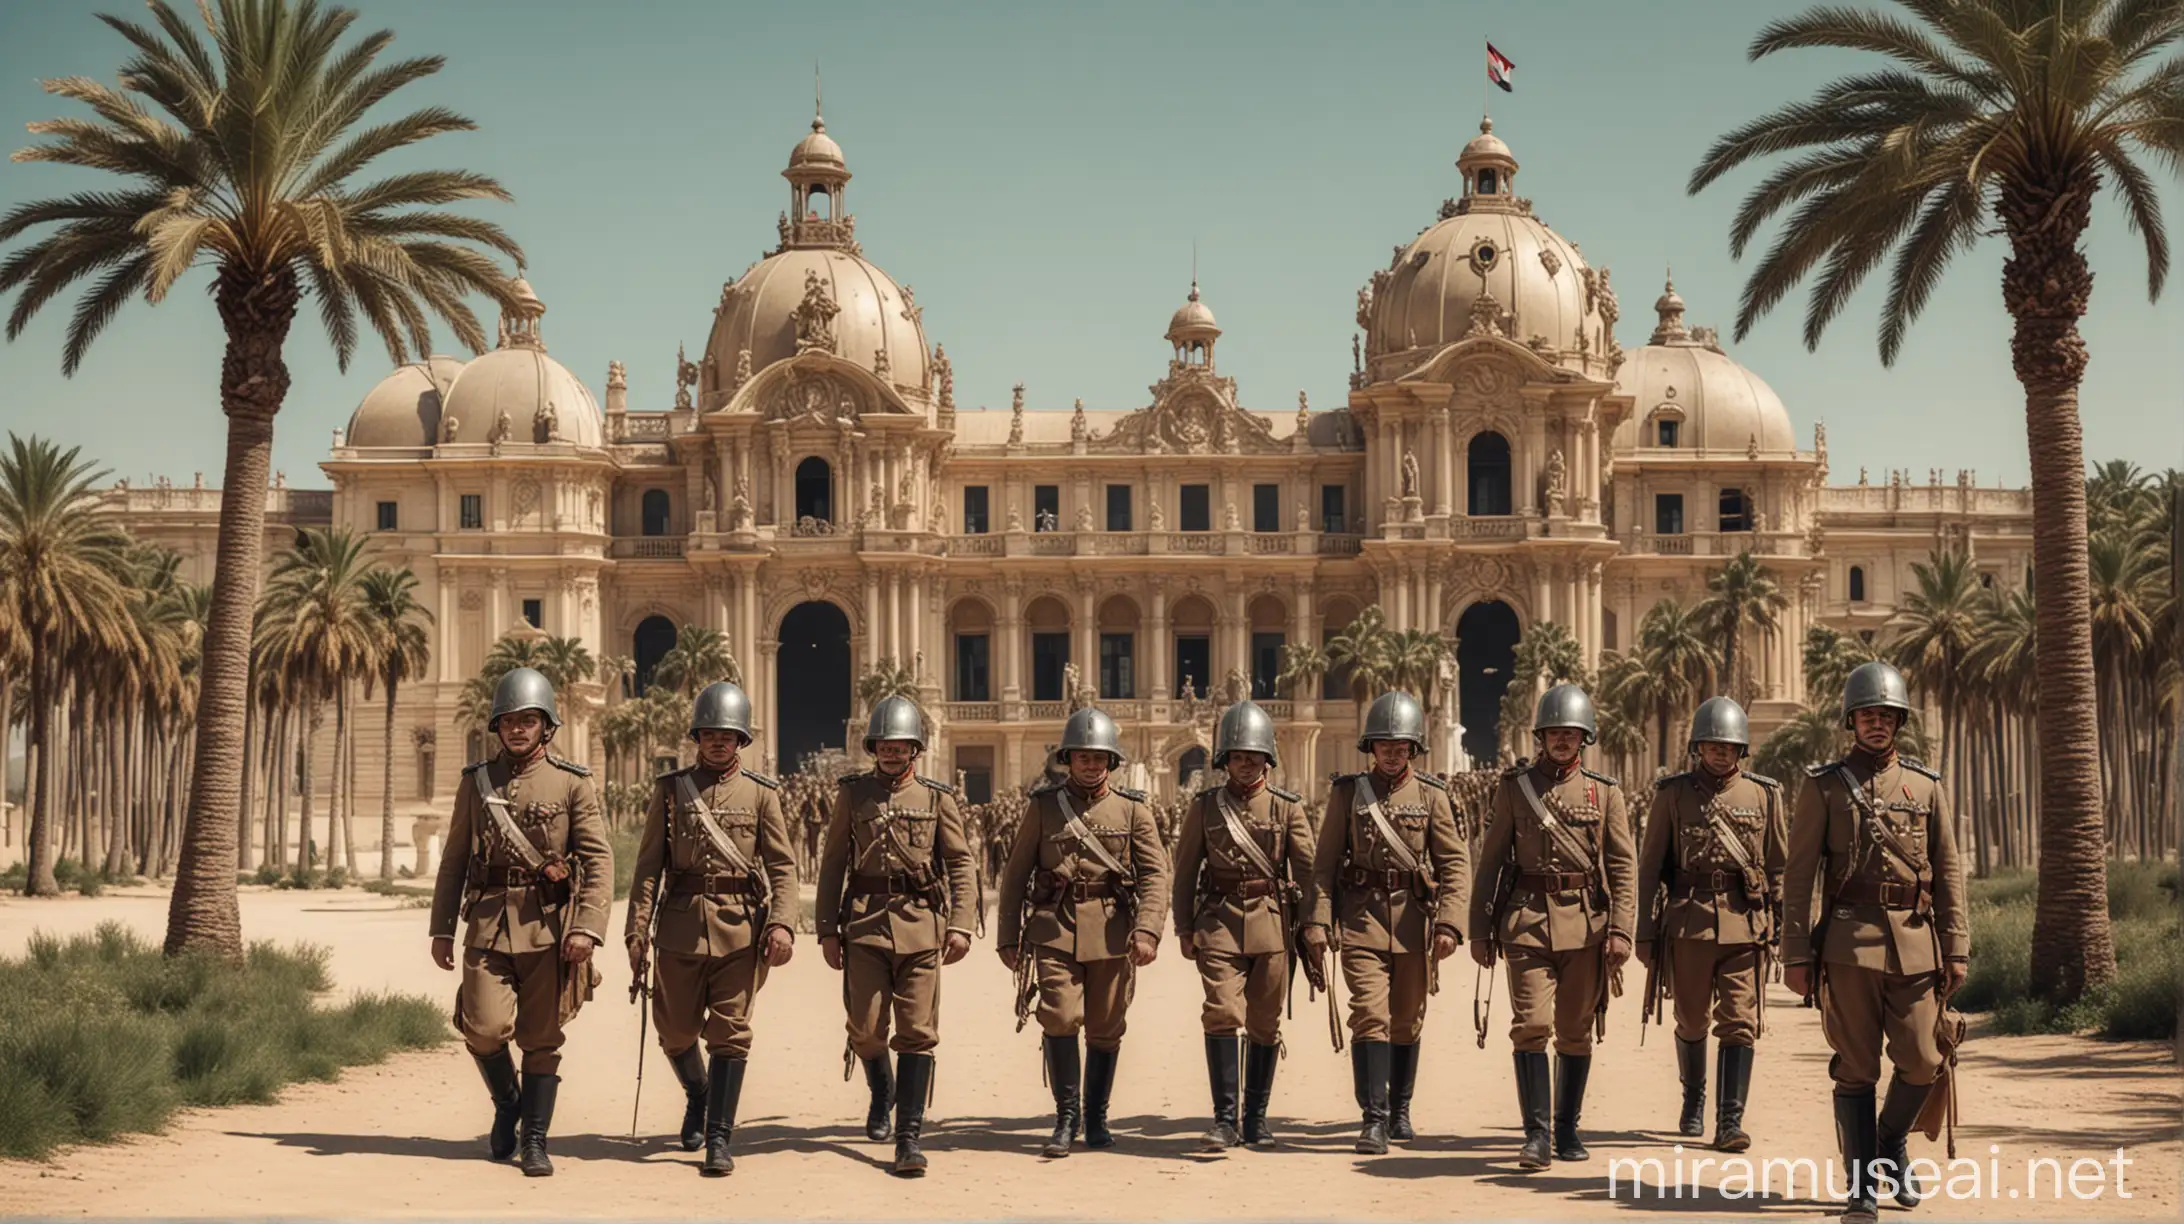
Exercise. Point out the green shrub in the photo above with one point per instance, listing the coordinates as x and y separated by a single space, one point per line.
102 1036
337 877
269 874
2143 1000
625 841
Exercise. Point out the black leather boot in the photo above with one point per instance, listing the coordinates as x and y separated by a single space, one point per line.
1099 1084
1402 1079
1535 1094
501 1084
1570 1073
690 1073
1221 1075
913 1083
1259 1063
1732 1079
1691 1065
1893 1133
1369 1072
881 1080
1063 1074
538 1118
1855 1134
723 1091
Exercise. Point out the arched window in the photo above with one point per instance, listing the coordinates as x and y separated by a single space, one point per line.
653 511
655 636
815 490
1487 182
1488 473
1857 584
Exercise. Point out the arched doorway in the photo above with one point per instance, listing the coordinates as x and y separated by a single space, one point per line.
655 636
1486 654
811 705
814 490
653 509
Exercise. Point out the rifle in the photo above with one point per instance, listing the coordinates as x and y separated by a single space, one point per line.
1027 983
640 984
1505 879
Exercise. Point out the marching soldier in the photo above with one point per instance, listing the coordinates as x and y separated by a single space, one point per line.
717 873
529 869
1558 844
897 900
1254 844
1715 844
1089 867
1391 869
1873 926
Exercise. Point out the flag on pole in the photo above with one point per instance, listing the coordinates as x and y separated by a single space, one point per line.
1499 68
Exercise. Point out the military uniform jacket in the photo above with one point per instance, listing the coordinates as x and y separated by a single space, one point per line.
1837 870
1095 928
1209 909
1390 914
914 835
1591 806
552 802
678 869
1683 855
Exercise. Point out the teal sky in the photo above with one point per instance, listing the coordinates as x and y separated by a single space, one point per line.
1040 172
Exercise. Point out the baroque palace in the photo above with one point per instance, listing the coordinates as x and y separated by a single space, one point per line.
815 493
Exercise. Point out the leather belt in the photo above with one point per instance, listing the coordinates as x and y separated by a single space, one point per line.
1388 880
1055 887
1554 881
881 884
1888 894
1702 884
694 883
485 875
1240 887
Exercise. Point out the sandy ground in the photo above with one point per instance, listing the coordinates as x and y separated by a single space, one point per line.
407 1134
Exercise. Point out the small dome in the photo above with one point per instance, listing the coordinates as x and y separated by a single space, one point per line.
1684 375
817 149
1194 317
522 381
1486 146
403 409
758 315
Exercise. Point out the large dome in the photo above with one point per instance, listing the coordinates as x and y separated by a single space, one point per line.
403 409
1683 375
758 314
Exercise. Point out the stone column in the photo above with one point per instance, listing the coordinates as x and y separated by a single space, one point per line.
894 617
914 621
874 635
1160 649
450 630
1012 633
1443 470
1086 647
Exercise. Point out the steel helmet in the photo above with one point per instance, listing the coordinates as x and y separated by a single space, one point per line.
1720 720
721 706
1394 716
1090 730
1876 684
895 718
1566 705
524 688
1244 727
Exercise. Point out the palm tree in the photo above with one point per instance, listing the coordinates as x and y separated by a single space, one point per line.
1415 658
404 649
1545 652
246 158
1360 652
1303 666
1677 657
1621 705
1740 593
1935 628
1830 656
61 592
2018 108
699 657
322 630
616 672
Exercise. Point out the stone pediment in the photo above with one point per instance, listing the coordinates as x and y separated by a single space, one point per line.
1193 412
816 387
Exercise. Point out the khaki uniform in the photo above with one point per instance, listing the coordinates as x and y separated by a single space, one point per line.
1880 927
1238 919
707 950
1078 931
895 876
1384 921
514 983
1559 910
1707 925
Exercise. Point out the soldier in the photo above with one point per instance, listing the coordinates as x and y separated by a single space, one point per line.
1715 844
1236 922
897 884
1089 867
717 872
1873 926
1556 893
1392 870
528 867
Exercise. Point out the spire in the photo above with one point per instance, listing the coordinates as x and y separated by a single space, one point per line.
1670 307
519 317
818 100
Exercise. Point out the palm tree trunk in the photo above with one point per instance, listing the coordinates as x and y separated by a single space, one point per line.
336 843
284 774
386 788
245 858
346 733
2046 285
307 739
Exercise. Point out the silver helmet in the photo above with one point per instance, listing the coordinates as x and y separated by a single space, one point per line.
1720 720
1394 716
721 706
1090 730
895 718
524 688
1244 727
1876 684
1566 705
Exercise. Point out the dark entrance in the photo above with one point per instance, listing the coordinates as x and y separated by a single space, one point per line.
1486 653
815 490
813 681
1194 663
655 636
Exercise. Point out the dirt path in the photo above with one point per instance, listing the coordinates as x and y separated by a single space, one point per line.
408 1132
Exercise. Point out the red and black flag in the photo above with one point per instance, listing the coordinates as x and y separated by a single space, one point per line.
1499 68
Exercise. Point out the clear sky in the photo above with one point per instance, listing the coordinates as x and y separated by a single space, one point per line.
1040 172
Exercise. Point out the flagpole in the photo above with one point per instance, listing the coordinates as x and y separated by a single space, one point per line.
1486 93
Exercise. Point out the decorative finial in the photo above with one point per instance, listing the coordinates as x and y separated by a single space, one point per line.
818 100
1486 124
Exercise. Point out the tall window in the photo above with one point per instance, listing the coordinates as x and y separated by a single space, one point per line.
1049 655
1334 515
1857 584
972 679
1668 431
1736 510
1117 666
1266 507
387 516
1118 507
815 490
534 612
1488 472
1194 662
975 521
653 509
473 512
1046 507
1266 663
1195 507
1668 513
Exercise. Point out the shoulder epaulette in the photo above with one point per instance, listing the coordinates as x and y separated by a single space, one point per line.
1429 780
762 779
475 766
1763 780
1662 783
579 770
1047 787
1514 770
1279 793
1822 769
1338 776
1919 767
935 784
1600 777
673 773
1135 796
1205 792
849 779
